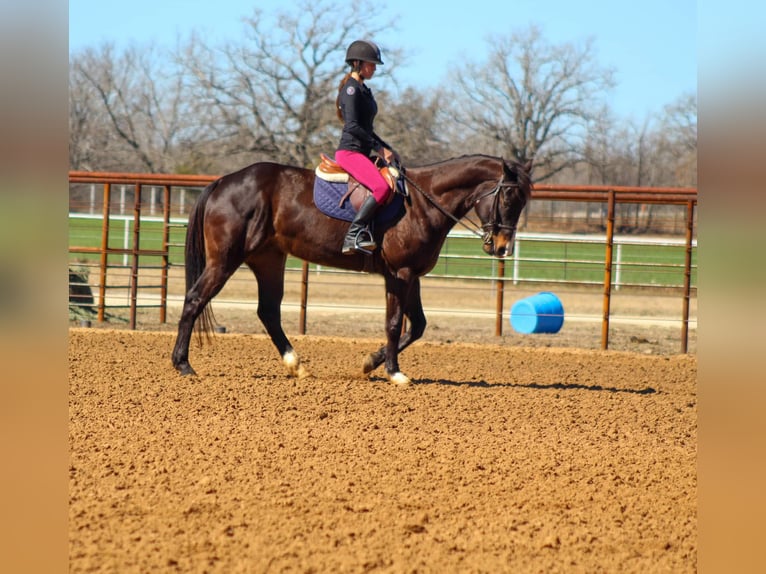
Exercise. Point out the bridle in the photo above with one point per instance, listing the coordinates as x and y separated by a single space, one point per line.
492 226
486 231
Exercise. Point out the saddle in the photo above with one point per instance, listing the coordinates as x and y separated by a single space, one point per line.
329 170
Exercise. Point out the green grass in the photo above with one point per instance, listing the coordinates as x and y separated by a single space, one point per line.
460 257
87 233
567 261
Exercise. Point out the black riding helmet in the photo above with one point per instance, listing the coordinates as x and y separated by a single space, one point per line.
365 51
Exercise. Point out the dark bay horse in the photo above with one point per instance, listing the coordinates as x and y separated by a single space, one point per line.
262 213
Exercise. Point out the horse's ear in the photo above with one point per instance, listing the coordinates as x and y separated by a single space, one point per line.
528 166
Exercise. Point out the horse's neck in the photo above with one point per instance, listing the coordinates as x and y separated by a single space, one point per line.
454 187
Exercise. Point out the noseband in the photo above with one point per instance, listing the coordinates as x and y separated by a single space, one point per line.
492 226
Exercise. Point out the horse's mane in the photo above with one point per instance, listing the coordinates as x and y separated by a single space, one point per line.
514 166
457 159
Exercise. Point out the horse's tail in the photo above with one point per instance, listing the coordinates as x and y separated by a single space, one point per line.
195 257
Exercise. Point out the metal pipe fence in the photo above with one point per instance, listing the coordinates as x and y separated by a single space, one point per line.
129 245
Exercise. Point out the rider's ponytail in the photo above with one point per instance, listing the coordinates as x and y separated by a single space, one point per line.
354 68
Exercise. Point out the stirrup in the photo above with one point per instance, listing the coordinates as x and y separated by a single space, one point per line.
364 240
360 245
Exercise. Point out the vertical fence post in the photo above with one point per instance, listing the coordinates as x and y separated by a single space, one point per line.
152 199
304 297
104 249
125 240
134 262
500 293
608 270
165 254
122 200
687 276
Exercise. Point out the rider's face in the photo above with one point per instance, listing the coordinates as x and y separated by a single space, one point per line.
367 70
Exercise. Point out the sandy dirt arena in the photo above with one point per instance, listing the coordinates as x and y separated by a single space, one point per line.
498 459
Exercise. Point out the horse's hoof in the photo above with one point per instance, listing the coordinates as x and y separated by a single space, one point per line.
399 379
186 369
369 364
302 373
294 366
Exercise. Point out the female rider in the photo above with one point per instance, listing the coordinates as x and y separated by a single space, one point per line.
356 108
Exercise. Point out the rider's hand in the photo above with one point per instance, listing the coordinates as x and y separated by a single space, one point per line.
391 156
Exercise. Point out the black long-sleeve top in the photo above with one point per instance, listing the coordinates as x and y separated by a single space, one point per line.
359 108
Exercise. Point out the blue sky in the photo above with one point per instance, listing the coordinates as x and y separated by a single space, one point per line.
652 44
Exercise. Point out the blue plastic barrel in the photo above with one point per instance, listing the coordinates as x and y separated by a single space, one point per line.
541 313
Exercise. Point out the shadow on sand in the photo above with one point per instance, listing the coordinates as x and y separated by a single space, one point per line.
550 386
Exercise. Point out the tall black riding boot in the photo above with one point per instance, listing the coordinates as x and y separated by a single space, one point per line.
359 237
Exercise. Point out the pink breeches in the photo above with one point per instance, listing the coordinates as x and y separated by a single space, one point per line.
365 172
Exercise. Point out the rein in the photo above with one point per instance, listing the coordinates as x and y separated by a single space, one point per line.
485 231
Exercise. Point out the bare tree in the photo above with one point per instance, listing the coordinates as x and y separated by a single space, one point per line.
617 152
681 120
411 126
679 126
140 100
274 94
599 147
88 136
532 99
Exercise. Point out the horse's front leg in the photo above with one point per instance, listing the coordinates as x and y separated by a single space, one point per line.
397 290
413 309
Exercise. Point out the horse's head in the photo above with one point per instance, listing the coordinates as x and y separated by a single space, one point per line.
499 209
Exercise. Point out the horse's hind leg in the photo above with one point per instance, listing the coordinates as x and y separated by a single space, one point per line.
269 271
204 289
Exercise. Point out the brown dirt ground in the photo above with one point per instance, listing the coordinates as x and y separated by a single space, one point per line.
505 456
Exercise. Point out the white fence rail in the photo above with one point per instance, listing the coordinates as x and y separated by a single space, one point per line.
518 258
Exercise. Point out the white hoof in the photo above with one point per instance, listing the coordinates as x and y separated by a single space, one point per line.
293 364
400 379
